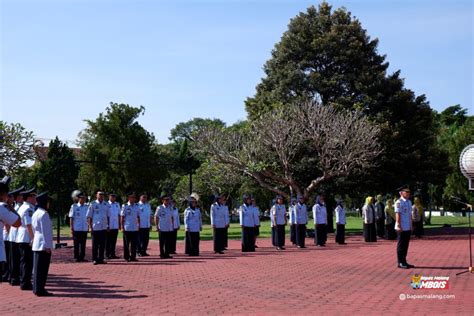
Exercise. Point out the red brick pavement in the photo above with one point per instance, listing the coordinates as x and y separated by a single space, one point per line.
356 278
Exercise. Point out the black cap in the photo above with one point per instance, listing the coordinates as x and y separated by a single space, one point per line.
404 188
42 199
80 194
131 193
164 195
99 191
278 197
27 193
17 192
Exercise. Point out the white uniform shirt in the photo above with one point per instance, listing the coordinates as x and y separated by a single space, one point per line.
25 212
278 215
404 208
192 220
320 214
165 216
130 214
176 222
114 214
145 215
8 218
292 214
301 214
99 212
340 215
78 213
14 230
42 230
247 216
219 215
368 214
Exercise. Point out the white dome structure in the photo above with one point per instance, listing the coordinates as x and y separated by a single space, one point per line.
466 163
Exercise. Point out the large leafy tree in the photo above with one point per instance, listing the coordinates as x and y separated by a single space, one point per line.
16 147
118 154
326 55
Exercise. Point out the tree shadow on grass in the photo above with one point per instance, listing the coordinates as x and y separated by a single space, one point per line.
63 285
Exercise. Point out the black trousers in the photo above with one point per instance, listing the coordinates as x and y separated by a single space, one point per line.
14 263
391 232
370 233
280 236
300 234
274 242
80 239
293 234
418 228
130 245
26 264
111 243
174 240
98 245
143 240
226 237
380 228
219 239
248 239
340 233
402 246
192 243
41 261
6 264
165 243
321 235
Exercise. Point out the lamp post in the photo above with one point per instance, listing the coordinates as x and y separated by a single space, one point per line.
466 163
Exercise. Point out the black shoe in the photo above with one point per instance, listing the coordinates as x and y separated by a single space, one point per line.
95 263
225 248
15 283
173 253
219 252
410 266
139 254
114 257
403 266
44 293
147 254
127 260
133 260
256 246
28 287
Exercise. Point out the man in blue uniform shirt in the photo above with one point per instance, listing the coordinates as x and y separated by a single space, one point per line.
403 226
130 219
79 227
98 214
145 225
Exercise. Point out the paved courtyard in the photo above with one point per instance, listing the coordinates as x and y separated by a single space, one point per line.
356 278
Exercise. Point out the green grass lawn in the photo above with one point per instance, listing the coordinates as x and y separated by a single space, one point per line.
354 225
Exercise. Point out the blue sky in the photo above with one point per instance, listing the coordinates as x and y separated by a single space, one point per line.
63 61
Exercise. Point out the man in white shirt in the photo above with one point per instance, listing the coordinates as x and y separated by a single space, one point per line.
79 227
164 226
98 216
219 220
14 247
24 237
145 225
114 226
130 221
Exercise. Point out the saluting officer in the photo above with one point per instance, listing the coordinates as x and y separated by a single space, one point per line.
403 226
14 248
176 226
320 221
278 222
301 219
193 227
219 220
145 225
98 215
25 236
7 217
42 244
130 221
247 223
114 226
164 226
79 227
340 221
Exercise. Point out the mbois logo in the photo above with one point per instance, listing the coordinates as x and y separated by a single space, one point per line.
419 282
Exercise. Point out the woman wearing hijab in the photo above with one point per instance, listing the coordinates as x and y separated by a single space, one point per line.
417 217
390 220
368 216
193 226
320 221
340 221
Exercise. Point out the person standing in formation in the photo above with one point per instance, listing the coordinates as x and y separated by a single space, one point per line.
193 227
368 216
130 222
164 225
380 216
292 220
9 218
42 244
257 220
219 221
320 221
390 220
278 222
247 223
14 247
403 226
98 215
417 217
79 227
176 226
114 227
145 225
340 221
301 219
